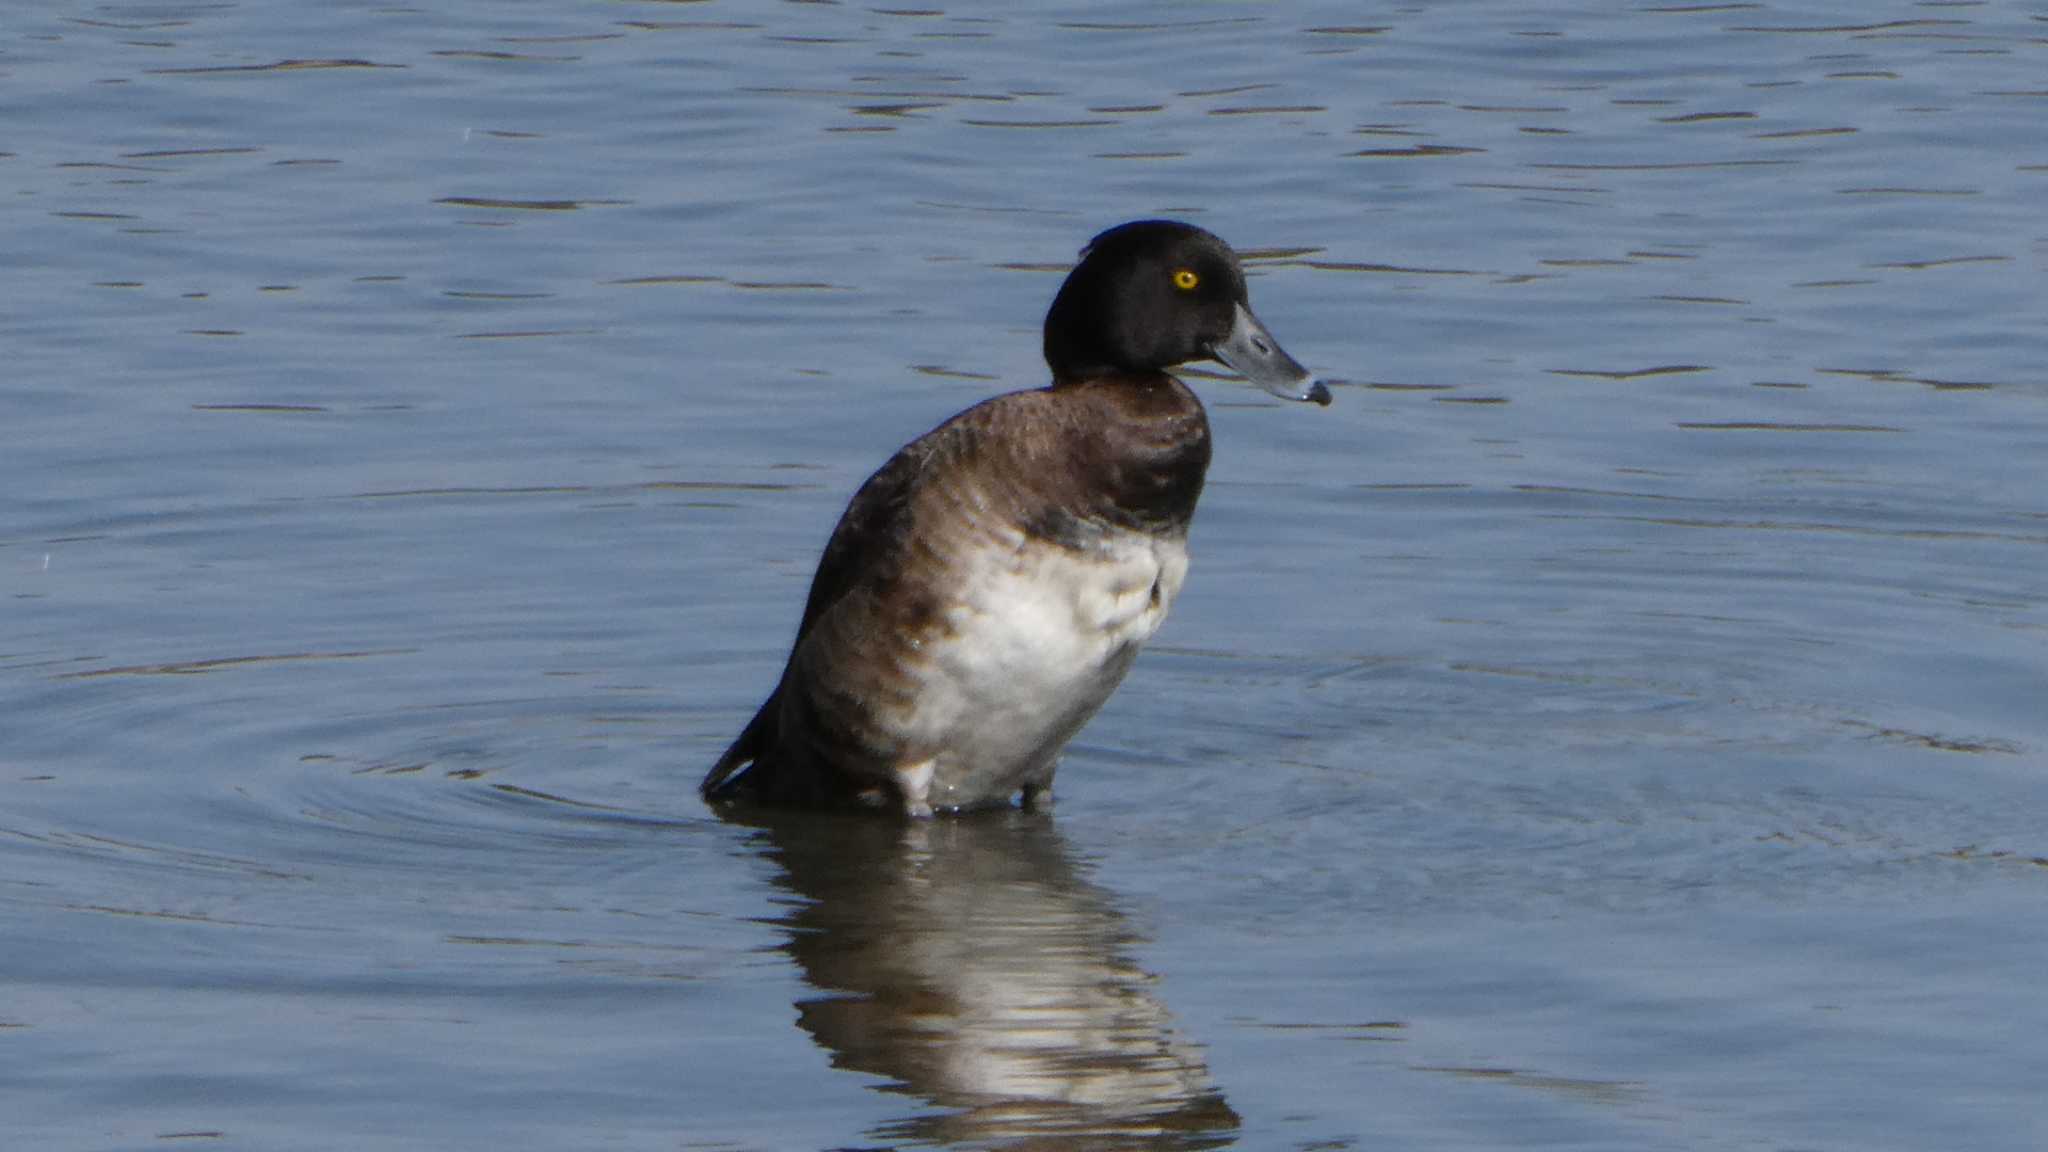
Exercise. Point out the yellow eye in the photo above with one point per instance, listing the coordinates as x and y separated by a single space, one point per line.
1185 279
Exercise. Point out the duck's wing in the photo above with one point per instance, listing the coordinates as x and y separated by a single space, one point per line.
871 531
866 542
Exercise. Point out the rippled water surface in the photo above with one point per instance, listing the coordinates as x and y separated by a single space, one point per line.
1619 722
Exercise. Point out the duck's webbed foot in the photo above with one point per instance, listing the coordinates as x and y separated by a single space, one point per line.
913 784
1038 789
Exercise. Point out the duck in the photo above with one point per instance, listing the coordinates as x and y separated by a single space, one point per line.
989 587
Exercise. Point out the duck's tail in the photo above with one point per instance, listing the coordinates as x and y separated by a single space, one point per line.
736 772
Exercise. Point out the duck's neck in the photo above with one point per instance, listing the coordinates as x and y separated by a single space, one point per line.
1143 450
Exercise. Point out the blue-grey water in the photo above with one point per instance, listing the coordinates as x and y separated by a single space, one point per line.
1619 722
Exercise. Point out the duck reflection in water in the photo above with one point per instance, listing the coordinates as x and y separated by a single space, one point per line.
969 963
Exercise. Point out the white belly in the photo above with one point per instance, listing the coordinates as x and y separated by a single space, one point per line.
1039 638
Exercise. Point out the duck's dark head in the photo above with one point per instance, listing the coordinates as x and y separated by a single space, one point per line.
1155 293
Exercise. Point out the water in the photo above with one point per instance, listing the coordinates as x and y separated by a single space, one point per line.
1616 723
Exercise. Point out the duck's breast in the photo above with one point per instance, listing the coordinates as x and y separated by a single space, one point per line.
1037 637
